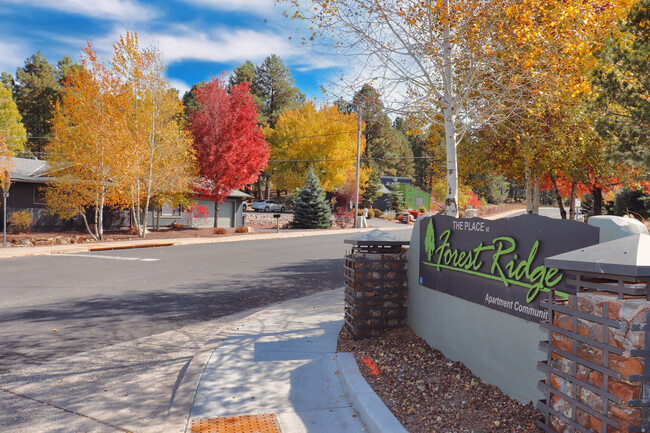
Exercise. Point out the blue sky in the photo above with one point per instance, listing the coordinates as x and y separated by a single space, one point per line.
198 38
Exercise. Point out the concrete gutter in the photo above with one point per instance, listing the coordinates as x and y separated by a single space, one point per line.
144 243
374 414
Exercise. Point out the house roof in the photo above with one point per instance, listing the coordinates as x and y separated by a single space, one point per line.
238 194
35 170
388 180
29 170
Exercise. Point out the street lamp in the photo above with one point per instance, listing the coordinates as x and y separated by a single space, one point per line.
6 183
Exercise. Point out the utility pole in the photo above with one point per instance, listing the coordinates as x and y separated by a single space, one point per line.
356 188
5 184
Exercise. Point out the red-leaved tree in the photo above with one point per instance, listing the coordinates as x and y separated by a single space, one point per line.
230 147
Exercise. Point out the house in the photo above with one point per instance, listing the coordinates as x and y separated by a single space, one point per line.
28 182
201 214
29 178
414 197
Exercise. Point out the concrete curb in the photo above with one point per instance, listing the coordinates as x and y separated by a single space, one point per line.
10 252
372 411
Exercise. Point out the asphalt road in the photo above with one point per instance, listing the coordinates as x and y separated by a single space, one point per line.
56 306
114 341
551 212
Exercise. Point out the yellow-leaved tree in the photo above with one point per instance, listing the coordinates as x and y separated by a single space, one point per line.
87 153
324 140
160 160
11 121
550 50
119 138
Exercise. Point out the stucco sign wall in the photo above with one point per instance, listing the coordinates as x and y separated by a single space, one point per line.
499 263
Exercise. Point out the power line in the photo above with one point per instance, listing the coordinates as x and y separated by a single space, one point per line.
312 136
352 159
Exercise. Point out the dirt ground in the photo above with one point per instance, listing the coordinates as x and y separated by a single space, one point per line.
429 393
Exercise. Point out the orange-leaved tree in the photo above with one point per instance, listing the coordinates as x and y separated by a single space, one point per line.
549 48
160 159
6 164
229 145
87 153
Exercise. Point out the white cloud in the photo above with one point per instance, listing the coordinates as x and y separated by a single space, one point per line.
221 46
13 56
179 85
258 7
125 10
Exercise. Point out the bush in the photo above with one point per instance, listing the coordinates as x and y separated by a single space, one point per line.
414 213
177 225
371 213
389 215
20 221
220 231
241 229
344 218
378 213
422 209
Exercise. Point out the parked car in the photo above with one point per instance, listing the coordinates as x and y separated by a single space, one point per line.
268 206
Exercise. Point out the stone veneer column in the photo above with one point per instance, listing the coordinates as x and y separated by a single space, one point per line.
628 311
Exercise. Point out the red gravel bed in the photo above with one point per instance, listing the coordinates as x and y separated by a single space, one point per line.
429 393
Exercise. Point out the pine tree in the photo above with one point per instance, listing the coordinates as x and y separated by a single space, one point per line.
371 190
624 85
311 211
396 199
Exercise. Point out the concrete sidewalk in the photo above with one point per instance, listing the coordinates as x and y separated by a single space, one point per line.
283 361
148 243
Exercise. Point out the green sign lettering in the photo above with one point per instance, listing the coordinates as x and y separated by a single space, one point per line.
441 255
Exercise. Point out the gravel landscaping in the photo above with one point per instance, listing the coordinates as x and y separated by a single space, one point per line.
429 393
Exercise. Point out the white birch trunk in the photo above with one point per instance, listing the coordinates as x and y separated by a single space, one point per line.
529 201
536 193
451 202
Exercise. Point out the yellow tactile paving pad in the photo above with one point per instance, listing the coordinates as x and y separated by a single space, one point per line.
237 424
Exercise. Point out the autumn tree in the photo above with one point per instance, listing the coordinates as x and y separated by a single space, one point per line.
323 140
11 122
435 56
623 86
6 164
229 145
160 154
88 148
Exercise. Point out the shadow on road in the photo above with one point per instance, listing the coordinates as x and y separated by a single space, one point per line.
50 331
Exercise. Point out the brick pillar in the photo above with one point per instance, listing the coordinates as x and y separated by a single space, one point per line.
594 362
375 291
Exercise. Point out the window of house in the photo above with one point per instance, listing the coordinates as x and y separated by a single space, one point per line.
168 210
419 201
39 194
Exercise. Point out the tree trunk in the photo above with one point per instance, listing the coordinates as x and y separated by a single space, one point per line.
529 201
598 200
451 201
558 197
83 216
216 213
536 193
572 199
99 228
